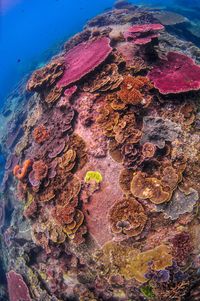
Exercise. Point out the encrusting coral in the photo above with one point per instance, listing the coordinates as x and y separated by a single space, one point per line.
106 168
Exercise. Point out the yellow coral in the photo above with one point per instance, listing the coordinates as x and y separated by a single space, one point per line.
93 176
130 263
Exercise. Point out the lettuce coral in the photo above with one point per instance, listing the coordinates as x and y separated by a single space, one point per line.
134 89
127 217
149 188
46 76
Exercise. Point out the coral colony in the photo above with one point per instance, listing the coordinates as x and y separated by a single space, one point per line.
102 185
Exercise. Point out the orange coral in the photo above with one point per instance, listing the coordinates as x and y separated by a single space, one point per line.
21 172
40 134
149 188
133 90
127 217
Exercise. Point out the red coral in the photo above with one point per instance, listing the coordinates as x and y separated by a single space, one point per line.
17 288
177 74
84 58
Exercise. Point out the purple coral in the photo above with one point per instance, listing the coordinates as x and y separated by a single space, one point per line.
84 58
177 74
17 288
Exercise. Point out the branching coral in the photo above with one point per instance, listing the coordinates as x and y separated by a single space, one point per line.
182 247
127 217
157 130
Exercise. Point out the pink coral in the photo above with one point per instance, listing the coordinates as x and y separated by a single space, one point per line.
143 34
177 74
84 58
17 288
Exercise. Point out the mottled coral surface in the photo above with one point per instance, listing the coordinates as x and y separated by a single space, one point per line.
101 191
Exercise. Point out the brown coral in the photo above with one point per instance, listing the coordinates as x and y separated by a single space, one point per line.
107 119
71 228
148 188
127 217
53 95
40 134
131 263
67 161
148 150
46 76
107 79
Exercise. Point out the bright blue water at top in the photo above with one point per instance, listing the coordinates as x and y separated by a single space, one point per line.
31 27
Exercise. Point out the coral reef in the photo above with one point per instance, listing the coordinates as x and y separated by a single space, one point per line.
177 74
100 195
17 288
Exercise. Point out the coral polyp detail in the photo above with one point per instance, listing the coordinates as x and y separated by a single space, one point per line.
106 168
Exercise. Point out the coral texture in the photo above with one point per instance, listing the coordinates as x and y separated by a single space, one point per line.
17 288
82 59
177 74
